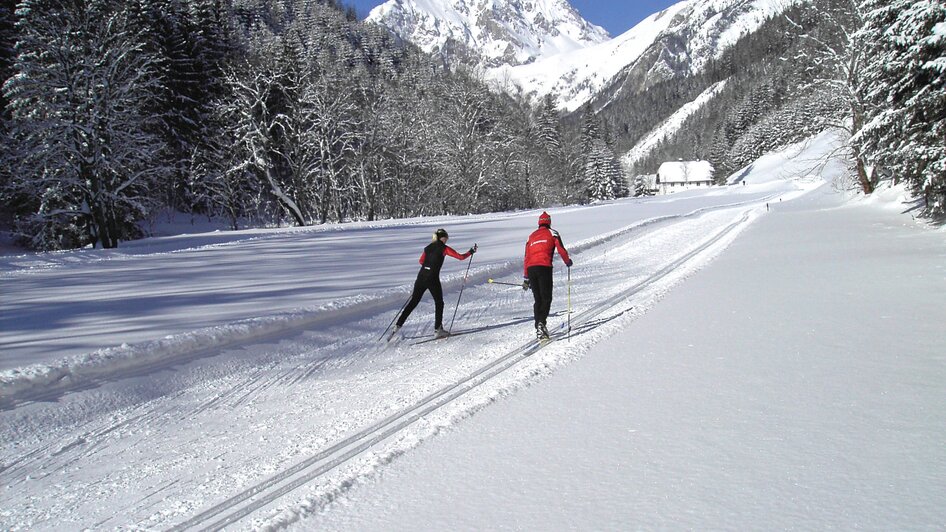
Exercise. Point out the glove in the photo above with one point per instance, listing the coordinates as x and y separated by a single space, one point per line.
472 249
525 284
569 263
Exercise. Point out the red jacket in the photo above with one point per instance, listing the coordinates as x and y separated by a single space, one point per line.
541 246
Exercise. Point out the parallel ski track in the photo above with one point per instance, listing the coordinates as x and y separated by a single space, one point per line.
275 487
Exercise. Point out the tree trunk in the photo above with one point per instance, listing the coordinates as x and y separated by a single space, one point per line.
104 230
857 118
284 199
866 185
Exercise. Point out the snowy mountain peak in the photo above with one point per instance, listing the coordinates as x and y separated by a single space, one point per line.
677 41
492 32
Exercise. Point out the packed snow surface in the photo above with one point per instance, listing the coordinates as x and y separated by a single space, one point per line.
796 383
739 357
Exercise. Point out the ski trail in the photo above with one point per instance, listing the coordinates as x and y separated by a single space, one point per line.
277 486
52 382
316 390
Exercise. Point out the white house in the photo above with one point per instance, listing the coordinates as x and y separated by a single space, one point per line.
677 176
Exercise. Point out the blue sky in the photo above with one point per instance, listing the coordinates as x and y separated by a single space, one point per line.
616 16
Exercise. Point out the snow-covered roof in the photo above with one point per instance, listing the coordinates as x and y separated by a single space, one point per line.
685 171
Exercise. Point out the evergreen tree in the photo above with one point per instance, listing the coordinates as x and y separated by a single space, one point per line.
7 57
602 174
7 53
188 43
905 83
640 186
552 170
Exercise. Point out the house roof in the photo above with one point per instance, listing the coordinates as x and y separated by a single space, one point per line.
685 171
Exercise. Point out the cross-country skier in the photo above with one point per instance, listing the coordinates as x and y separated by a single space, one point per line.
537 272
428 278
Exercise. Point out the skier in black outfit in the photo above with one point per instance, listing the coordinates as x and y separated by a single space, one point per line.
428 278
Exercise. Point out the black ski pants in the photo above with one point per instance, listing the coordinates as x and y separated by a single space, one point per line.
425 281
540 280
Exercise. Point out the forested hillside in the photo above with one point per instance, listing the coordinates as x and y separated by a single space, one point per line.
876 69
767 101
261 112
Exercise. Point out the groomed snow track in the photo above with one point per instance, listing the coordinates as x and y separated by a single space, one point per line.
239 506
136 360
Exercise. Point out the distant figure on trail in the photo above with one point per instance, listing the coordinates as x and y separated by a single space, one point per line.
428 278
537 270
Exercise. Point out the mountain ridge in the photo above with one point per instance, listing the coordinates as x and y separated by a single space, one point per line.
677 41
491 32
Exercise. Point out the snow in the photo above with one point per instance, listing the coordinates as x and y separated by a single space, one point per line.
710 28
782 387
491 27
579 61
576 76
747 21
801 162
728 366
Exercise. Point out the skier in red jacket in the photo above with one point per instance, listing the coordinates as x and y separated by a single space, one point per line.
537 271
428 278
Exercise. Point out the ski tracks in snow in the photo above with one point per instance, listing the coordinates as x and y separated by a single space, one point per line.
274 430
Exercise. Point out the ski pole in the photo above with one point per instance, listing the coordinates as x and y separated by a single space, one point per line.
569 304
395 317
465 275
504 284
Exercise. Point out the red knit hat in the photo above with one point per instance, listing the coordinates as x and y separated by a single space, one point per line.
545 219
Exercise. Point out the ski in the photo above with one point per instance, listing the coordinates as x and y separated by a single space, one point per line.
436 338
554 335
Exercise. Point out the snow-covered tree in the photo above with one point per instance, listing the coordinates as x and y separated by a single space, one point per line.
331 138
469 147
904 81
220 184
548 125
7 51
273 109
252 114
640 186
188 42
834 59
7 57
602 173
83 153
